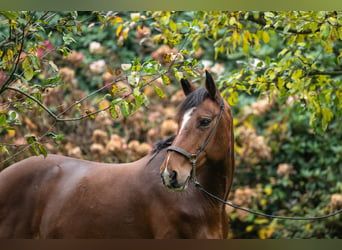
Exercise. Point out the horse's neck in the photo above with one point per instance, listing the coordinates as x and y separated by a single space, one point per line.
214 178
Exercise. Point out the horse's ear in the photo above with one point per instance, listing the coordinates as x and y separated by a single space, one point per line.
210 85
187 87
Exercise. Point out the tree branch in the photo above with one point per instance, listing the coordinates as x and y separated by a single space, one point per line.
329 73
9 79
35 100
53 115
261 21
86 97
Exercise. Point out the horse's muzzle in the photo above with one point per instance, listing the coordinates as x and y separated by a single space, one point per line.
170 181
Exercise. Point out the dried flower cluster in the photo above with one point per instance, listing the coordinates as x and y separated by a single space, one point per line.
251 147
336 201
285 169
242 197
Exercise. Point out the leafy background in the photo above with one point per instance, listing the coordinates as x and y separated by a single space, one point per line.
104 86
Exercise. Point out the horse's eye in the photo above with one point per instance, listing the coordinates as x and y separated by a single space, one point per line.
205 122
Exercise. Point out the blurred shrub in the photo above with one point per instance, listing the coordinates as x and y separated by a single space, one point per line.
300 177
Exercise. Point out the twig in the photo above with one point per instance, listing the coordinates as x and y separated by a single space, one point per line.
33 99
262 21
86 97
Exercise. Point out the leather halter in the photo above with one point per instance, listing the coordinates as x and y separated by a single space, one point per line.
192 157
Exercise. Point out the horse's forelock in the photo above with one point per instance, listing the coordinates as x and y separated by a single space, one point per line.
194 99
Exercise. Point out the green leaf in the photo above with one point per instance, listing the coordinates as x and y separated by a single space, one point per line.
125 108
28 69
166 79
3 149
53 66
233 98
164 20
179 76
68 39
159 92
42 149
3 120
30 139
35 61
139 100
327 115
325 31
113 112
136 91
11 15
35 149
173 25
56 137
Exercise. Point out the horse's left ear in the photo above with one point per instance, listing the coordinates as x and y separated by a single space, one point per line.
187 87
210 85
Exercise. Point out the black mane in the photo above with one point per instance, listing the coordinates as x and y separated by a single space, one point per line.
160 145
194 99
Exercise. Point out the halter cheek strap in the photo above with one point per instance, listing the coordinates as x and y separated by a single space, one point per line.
192 157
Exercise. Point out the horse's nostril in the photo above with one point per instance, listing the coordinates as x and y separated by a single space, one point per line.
173 178
162 177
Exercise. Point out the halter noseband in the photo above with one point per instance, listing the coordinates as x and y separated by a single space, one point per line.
193 157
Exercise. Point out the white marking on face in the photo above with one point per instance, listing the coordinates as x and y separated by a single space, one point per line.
186 118
166 173
167 163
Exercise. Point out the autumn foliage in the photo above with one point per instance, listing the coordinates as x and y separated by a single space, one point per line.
104 86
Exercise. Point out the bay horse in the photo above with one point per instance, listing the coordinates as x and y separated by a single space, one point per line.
63 197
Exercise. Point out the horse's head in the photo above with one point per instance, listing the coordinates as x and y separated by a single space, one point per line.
204 136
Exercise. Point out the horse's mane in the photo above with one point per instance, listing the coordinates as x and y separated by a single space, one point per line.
194 99
160 145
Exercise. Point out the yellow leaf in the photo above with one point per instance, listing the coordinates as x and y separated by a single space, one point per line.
90 114
117 19
262 234
167 58
261 221
135 16
249 228
114 89
247 35
173 25
265 37
232 20
179 76
263 202
159 92
9 54
104 104
266 233
268 190
118 30
297 74
236 36
125 33
11 133
166 79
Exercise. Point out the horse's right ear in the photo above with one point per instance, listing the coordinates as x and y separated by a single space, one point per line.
187 87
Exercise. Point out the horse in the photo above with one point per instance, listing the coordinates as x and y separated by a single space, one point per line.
153 197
